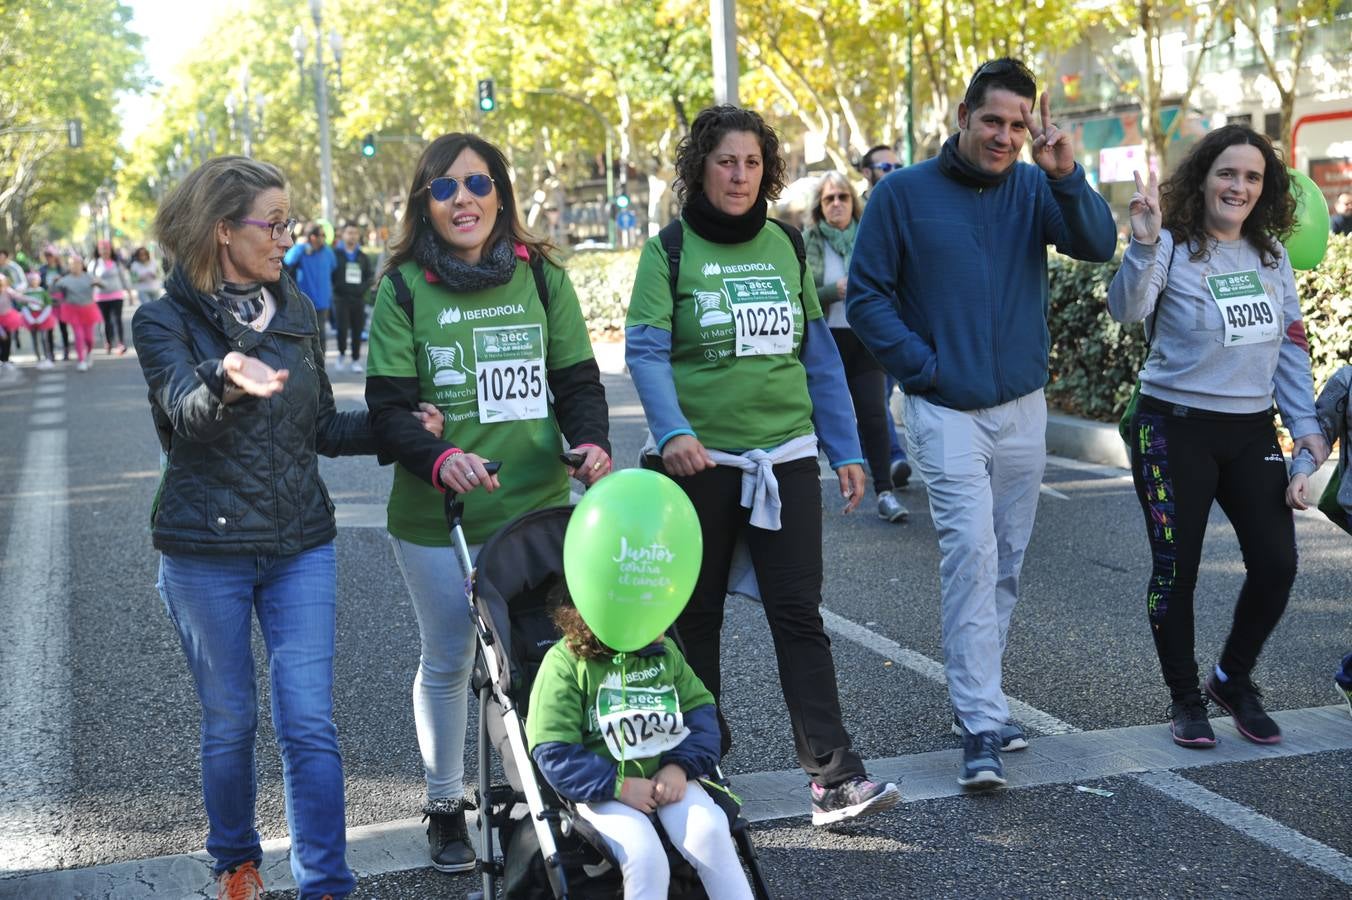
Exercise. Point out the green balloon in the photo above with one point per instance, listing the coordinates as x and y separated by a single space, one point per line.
631 556
1306 245
328 229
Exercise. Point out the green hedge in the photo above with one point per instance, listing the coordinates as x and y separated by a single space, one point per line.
1094 360
603 281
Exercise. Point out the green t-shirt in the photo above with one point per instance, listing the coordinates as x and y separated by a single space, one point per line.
630 712
482 358
735 335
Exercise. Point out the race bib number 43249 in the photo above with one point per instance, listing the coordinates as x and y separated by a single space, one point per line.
1246 309
509 367
761 314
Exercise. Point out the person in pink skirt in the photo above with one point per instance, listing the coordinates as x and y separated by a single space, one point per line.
116 287
39 317
78 310
10 321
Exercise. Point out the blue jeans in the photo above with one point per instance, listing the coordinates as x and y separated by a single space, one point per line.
212 600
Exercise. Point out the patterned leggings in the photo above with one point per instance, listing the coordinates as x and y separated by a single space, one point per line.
1182 461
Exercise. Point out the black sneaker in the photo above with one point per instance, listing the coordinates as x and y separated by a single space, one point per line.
1243 701
448 836
856 797
981 766
900 472
1189 725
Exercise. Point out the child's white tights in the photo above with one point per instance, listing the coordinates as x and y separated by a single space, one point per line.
696 826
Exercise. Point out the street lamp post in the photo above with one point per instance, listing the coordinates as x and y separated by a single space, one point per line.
299 43
240 116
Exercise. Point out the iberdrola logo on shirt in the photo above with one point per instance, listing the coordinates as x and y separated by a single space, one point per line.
448 316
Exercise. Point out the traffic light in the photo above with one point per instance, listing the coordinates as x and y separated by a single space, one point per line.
622 201
487 101
368 146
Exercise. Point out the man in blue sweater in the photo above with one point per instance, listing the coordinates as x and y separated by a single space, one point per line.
948 289
313 263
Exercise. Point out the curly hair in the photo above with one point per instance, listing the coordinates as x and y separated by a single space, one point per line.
705 134
1183 204
576 635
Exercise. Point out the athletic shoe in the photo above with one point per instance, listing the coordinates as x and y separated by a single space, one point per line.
981 767
121 349
1243 702
1189 725
1012 736
890 508
356 368
856 797
901 473
46 364
340 364
1345 690
448 836
240 883
82 366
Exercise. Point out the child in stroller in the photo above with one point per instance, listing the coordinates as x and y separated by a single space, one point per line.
627 736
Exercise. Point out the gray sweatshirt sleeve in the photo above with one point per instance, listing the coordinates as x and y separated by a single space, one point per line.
1335 419
1140 279
1292 383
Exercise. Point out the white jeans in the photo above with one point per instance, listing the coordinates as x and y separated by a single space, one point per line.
697 828
441 687
982 469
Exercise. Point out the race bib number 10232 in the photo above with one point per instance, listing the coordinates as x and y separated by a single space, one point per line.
509 368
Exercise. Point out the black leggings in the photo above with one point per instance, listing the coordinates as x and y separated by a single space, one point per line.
788 566
1182 460
866 382
4 346
112 322
351 314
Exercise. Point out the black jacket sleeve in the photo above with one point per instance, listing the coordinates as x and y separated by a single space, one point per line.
399 436
580 404
338 433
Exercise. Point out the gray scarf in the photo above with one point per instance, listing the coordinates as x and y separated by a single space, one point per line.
495 267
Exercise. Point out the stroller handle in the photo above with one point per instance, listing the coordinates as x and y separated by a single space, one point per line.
455 507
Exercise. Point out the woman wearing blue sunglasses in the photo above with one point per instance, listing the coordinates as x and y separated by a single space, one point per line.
471 315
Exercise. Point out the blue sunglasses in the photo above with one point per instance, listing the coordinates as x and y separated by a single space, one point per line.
884 167
445 187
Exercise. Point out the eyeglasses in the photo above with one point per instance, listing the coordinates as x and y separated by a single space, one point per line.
884 167
277 228
836 198
445 187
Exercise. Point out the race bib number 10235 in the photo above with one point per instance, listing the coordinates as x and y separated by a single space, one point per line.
509 368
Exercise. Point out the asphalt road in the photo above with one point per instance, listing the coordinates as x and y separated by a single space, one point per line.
100 745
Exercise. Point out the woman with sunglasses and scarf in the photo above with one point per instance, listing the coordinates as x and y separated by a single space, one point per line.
460 321
830 243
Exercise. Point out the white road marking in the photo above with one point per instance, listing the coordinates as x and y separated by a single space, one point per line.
1261 828
35 762
922 665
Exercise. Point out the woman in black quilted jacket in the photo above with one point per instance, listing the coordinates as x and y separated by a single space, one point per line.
245 526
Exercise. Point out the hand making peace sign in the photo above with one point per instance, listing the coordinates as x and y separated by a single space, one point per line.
1053 149
1145 210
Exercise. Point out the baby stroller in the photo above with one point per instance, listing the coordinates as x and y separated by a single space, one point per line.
548 850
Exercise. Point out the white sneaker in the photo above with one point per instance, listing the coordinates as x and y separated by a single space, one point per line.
82 366
356 367
340 364
46 364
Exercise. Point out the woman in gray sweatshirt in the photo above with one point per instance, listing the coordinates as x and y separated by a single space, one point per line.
1207 273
